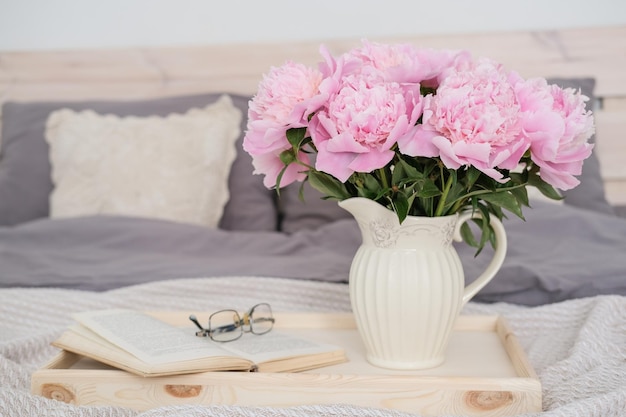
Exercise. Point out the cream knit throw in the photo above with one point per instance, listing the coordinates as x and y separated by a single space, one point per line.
577 347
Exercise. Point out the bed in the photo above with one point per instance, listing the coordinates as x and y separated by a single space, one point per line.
562 287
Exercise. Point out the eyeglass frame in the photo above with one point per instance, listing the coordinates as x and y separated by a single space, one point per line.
239 322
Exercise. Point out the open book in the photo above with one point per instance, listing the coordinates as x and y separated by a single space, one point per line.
141 344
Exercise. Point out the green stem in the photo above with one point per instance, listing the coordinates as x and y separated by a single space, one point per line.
383 177
444 196
312 168
480 192
458 203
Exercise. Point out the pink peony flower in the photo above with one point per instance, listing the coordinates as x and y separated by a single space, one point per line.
334 70
361 123
366 108
286 96
404 63
559 127
271 165
472 120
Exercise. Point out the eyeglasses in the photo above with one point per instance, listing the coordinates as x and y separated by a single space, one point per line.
228 325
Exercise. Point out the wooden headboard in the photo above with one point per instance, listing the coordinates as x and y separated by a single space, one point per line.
155 72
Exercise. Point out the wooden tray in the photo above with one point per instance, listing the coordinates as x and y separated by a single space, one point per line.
486 373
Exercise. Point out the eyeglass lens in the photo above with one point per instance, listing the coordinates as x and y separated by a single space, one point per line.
261 318
225 326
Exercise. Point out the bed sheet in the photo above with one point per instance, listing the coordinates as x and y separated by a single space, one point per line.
558 253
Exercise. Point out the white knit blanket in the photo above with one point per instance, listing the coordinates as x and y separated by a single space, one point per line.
577 347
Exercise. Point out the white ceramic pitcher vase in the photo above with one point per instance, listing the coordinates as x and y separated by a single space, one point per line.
407 285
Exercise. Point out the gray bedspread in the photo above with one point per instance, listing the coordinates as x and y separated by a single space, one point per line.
559 253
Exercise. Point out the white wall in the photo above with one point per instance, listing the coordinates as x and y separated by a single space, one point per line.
62 24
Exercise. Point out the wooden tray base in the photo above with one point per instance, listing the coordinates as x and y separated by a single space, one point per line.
486 373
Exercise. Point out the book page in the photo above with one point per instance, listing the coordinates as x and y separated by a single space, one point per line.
274 345
148 338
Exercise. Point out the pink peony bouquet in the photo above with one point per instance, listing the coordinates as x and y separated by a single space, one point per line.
423 132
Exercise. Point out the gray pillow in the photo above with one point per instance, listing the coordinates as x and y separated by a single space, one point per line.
314 212
311 213
25 182
307 214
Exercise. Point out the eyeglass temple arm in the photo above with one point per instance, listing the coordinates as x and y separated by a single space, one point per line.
195 321
225 328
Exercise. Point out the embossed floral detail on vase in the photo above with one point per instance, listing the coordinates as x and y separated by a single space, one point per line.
385 233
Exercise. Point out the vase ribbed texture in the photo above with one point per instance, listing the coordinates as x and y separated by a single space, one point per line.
407 285
405 303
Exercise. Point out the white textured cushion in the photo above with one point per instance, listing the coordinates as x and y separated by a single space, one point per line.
174 168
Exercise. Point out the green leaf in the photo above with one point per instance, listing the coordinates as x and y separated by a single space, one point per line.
521 194
366 185
328 185
301 192
497 210
399 173
485 228
468 235
472 176
382 193
287 157
371 183
400 205
429 189
295 136
519 177
411 172
492 239
457 191
505 200
410 199
545 188
475 200
279 179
